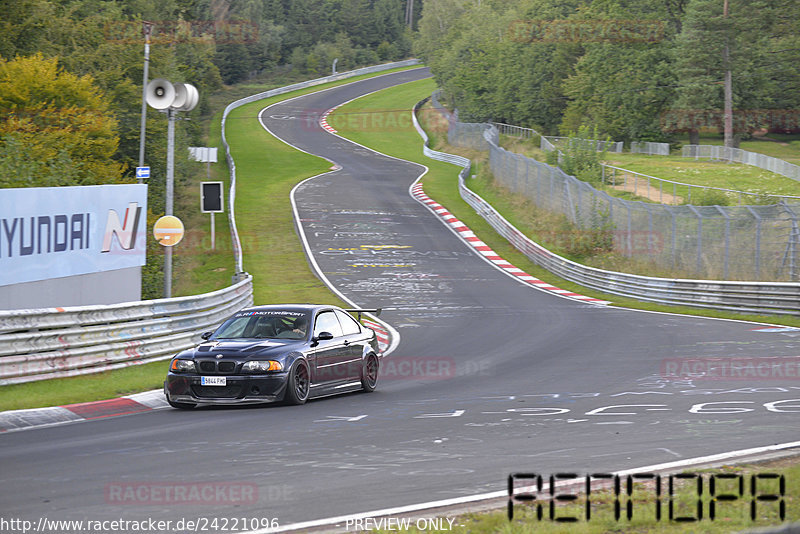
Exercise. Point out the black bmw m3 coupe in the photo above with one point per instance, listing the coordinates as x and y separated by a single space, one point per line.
289 353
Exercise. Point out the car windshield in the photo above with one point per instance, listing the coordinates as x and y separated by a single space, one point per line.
277 324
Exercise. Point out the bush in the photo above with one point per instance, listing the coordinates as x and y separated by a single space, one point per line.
708 197
579 157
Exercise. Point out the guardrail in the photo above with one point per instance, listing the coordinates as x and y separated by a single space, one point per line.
237 246
747 297
60 342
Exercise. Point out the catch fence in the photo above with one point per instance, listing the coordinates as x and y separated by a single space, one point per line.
749 242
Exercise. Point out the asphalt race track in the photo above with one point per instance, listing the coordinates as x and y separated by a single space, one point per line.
490 377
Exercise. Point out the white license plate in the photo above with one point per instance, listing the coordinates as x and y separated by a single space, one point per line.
212 380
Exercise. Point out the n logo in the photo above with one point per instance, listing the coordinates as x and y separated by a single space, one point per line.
125 232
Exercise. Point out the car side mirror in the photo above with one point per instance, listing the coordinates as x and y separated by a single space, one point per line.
206 335
323 336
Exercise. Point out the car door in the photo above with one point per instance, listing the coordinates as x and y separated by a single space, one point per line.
329 354
354 343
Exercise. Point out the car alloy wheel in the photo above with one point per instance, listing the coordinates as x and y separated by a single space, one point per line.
298 386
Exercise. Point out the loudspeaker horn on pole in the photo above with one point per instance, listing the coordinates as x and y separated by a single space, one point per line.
160 94
186 97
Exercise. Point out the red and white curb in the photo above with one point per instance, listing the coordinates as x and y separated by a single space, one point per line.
15 420
323 121
486 251
381 333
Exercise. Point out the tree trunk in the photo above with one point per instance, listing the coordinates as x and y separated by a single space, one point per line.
728 88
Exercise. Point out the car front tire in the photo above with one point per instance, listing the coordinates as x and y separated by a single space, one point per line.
298 385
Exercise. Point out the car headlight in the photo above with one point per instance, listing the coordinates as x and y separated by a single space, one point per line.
261 366
183 366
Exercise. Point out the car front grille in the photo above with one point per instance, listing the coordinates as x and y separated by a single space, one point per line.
212 367
226 367
217 392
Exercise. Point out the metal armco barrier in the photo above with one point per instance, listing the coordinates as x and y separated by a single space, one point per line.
746 297
60 342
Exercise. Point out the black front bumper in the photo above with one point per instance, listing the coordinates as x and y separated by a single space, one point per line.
238 389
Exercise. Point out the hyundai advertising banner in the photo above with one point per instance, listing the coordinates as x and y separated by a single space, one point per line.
53 232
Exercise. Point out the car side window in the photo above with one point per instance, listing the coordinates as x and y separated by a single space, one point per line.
327 322
349 325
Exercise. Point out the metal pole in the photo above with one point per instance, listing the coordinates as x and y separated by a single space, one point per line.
208 178
727 242
674 237
699 239
169 197
213 245
728 88
147 27
757 250
630 230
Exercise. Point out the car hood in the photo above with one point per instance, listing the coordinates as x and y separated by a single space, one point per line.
243 349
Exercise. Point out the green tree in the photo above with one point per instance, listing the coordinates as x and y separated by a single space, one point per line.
487 65
624 79
24 27
761 38
54 121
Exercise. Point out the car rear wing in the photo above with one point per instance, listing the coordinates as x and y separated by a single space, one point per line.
359 311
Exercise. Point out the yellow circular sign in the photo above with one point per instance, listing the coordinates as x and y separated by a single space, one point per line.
168 230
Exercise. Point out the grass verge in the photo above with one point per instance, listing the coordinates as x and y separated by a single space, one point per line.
267 169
